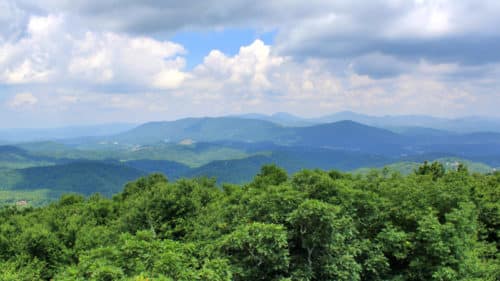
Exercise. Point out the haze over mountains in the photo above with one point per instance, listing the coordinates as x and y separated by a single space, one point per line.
40 134
406 124
395 122
232 149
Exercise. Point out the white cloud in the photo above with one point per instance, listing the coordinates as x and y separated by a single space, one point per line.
250 67
169 79
335 56
118 58
12 20
52 53
22 100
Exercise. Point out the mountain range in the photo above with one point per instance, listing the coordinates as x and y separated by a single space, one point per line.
341 135
233 149
394 122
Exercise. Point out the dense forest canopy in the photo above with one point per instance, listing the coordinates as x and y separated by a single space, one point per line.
313 225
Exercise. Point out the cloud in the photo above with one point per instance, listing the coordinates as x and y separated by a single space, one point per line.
22 100
437 30
434 30
52 53
258 79
12 20
109 60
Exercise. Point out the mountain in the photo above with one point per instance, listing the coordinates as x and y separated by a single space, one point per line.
203 130
281 118
382 121
43 134
84 177
418 132
340 135
12 157
449 163
169 168
252 131
292 159
396 122
349 135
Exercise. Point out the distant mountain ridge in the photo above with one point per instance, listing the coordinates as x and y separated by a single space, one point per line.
205 129
410 125
233 149
341 135
460 125
43 134
282 118
393 122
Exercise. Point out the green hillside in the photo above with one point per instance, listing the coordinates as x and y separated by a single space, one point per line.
169 168
314 225
292 160
12 157
195 154
450 163
80 177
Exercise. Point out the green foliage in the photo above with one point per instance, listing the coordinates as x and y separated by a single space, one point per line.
83 177
435 170
449 163
270 175
314 225
258 251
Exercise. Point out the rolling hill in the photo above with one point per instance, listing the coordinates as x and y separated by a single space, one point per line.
12 157
349 135
291 159
393 122
450 163
168 168
85 177
341 135
204 130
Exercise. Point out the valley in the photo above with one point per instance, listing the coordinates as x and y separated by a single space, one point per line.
229 149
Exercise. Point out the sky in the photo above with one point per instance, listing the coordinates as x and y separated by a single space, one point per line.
87 62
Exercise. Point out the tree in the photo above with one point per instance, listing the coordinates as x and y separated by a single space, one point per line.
270 175
435 170
258 251
322 243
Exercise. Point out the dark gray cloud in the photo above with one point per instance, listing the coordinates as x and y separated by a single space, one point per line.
152 16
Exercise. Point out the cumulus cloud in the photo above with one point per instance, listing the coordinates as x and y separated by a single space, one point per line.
52 53
432 29
107 58
258 79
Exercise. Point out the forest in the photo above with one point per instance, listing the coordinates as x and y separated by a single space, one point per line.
433 224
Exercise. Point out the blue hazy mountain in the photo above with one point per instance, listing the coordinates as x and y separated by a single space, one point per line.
461 125
253 130
204 130
392 122
340 135
410 125
281 118
232 149
43 134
